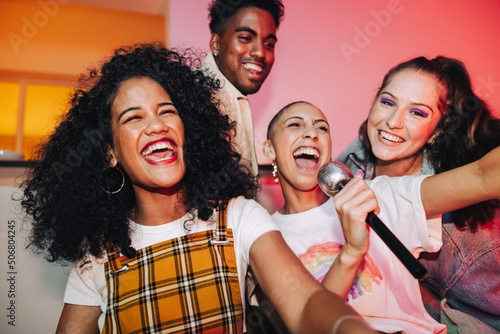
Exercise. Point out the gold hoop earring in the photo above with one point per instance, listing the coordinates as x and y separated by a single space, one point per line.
106 179
275 173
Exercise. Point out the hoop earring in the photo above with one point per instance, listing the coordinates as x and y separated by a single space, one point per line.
275 173
109 170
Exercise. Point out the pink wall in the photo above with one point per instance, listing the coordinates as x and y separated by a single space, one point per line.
310 64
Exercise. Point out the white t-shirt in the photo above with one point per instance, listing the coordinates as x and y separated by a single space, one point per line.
384 291
248 220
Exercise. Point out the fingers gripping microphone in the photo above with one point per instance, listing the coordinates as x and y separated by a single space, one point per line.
332 177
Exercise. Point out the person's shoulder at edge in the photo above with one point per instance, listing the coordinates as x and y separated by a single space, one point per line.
354 155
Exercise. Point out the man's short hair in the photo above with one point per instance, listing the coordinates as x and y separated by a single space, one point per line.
222 10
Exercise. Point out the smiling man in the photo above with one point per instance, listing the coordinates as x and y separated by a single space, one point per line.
242 42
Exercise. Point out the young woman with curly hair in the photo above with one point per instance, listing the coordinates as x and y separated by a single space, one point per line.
141 188
426 119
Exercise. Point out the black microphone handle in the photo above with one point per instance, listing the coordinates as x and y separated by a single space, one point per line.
402 253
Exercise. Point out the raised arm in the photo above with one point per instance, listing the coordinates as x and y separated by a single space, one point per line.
460 187
304 305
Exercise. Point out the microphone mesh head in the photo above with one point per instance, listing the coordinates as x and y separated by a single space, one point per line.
333 176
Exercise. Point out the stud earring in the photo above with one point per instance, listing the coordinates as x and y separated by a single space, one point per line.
275 173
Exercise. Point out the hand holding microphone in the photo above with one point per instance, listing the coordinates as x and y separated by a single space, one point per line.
332 177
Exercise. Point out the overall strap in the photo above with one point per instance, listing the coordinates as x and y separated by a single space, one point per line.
114 258
221 221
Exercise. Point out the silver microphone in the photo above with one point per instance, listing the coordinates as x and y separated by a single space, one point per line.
332 177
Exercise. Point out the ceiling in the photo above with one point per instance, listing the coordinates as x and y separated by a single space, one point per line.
156 7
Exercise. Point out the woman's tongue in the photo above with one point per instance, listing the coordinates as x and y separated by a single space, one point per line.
305 162
158 155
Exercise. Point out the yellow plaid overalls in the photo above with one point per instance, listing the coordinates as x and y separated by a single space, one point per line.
185 285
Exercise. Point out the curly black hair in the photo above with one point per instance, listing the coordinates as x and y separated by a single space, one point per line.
465 133
222 10
64 193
